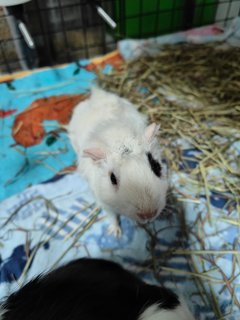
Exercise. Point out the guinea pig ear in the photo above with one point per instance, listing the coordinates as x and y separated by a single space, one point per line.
94 153
151 131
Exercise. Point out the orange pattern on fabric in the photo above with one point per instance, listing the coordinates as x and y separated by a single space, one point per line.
28 127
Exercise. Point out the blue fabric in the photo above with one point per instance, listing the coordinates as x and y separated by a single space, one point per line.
18 96
39 228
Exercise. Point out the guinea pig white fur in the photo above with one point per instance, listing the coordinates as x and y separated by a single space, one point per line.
120 157
92 289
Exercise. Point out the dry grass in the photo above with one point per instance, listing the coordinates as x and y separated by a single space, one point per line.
193 92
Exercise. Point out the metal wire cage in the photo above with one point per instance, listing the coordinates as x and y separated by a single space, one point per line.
42 33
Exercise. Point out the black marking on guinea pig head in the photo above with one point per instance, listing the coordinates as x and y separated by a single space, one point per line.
155 165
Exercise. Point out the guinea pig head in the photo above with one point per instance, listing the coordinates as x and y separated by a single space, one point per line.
131 180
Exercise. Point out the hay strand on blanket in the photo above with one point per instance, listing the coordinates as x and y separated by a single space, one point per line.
193 92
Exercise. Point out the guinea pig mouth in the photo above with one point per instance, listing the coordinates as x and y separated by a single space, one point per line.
147 215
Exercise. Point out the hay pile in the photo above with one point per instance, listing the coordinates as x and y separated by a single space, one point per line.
193 91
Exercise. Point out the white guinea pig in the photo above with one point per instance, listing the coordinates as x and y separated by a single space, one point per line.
120 157
92 289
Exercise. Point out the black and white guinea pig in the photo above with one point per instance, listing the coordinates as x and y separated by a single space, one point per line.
120 156
92 289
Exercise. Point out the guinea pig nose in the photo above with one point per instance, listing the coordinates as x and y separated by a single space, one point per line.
147 215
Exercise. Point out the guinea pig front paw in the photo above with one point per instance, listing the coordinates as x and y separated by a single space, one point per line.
114 230
114 227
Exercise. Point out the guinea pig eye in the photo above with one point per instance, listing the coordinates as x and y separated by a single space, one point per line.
113 179
155 165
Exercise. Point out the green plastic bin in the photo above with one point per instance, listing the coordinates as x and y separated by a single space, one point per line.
140 19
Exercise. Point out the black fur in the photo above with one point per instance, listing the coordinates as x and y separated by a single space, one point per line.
155 165
86 289
113 179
